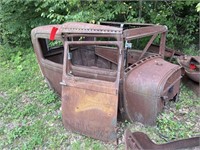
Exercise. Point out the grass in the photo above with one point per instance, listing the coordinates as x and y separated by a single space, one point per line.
30 115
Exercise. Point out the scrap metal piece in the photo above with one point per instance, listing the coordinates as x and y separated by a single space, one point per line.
140 141
169 52
80 27
191 65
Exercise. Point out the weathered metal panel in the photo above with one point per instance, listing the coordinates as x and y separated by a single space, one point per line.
169 53
126 25
150 80
90 112
107 53
50 70
130 34
79 27
45 30
53 75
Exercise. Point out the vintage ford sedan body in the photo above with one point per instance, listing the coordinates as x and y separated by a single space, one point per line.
106 72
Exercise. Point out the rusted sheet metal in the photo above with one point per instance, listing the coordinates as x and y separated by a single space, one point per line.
79 27
46 30
126 25
52 74
89 112
140 141
107 53
169 53
146 31
153 31
147 85
191 65
133 56
51 71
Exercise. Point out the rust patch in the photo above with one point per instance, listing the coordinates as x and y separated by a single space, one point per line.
93 102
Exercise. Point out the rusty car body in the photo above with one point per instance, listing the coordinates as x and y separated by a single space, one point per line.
104 71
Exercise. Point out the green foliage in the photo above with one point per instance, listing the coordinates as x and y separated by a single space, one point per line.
180 120
85 11
25 102
172 128
30 115
198 7
17 18
179 16
191 50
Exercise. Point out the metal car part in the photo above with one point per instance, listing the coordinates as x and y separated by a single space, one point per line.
191 61
140 141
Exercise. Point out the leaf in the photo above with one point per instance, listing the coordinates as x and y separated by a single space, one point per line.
198 7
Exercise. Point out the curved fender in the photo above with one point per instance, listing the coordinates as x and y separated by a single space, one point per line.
146 84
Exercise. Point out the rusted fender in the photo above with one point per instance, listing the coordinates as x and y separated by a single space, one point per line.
148 84
140 141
